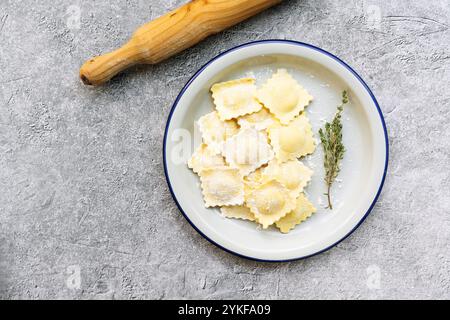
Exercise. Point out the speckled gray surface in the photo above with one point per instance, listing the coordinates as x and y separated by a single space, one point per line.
82 189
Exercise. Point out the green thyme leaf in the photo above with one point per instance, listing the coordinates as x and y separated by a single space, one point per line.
333 148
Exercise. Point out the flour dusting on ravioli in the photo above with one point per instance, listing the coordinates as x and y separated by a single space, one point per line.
222 187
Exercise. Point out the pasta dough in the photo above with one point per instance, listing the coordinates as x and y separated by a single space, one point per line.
283 96
247 150
269 202
303 210
292 141
215 131
222 187
235 98
205 158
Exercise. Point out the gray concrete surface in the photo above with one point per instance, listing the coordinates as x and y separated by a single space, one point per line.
82 189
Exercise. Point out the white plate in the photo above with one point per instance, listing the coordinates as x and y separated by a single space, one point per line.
363 168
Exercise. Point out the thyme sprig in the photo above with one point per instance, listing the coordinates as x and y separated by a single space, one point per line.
333 148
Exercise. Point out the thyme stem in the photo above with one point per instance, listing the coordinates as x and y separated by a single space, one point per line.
333 148
330 205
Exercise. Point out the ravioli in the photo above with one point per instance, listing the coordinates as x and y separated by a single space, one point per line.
255 177
303 210
215 131
293 174
235 98
222 187
237 212
205 158
260 120
247 150
270 202
292 141
248 162
253 180
283 96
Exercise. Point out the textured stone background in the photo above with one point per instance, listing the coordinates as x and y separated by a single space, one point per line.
81 178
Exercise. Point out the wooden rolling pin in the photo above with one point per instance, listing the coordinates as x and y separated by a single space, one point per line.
170 34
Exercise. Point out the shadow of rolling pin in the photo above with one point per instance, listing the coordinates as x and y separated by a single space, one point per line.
170 34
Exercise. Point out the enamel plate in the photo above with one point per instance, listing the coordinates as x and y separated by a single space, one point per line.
363 168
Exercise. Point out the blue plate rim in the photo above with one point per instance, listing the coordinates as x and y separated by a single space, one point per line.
294 42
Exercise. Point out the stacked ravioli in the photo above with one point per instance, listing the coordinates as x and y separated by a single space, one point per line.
249 160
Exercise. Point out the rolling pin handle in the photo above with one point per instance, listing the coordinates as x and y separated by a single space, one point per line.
102 68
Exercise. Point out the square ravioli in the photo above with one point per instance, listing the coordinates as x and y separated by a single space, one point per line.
205 158
283 96
237 212
215 131
235 98
260 120
270 202
247 150
292 141
303 210
222 187
253 180
292 174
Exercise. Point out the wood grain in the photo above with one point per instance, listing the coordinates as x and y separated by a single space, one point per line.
170 34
